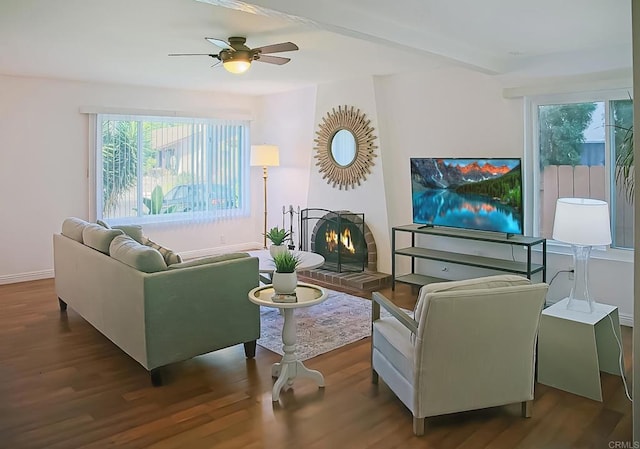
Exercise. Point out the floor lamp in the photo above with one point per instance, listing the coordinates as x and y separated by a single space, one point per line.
583 223
265 156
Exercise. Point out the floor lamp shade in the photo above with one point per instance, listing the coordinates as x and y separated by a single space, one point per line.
265 156
583 223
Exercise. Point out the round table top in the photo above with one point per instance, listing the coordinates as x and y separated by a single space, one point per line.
307 295
308 260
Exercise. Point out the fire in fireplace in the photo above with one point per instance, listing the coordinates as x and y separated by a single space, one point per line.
339 236
336 242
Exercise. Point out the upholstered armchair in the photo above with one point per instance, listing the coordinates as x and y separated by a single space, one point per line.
471 346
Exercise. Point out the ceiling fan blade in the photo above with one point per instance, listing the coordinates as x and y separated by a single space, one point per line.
194 54
276 48
219 42
273 59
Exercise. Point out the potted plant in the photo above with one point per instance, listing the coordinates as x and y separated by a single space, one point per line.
277 237
285 279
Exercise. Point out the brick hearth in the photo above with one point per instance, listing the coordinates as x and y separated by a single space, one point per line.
360 281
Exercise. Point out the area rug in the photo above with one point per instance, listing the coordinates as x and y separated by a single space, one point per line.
339 320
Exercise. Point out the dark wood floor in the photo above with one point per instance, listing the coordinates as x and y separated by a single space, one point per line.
64 385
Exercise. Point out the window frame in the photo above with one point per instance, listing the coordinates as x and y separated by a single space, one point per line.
532 162
95 169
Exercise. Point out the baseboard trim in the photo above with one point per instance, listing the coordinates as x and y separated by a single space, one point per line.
625 320
25 277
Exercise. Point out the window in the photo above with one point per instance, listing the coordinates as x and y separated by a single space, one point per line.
578 149
154 169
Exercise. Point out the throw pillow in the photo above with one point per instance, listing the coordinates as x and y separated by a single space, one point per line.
133 231
72 227
99 238
170 257
208 260
141 257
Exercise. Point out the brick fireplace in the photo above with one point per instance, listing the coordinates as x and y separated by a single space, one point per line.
348 246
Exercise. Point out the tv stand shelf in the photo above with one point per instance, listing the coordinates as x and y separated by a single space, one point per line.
526 268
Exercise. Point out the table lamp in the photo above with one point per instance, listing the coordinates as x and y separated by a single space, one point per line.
265 156
583 223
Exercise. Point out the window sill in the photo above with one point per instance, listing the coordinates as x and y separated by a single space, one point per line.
598 252
176 218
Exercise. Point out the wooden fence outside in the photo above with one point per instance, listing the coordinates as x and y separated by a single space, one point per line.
582 181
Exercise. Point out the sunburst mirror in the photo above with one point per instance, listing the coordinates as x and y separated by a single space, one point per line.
344 147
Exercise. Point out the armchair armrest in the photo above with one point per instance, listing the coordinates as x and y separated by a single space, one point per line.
380 300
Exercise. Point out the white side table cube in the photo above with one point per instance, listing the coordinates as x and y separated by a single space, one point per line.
573 347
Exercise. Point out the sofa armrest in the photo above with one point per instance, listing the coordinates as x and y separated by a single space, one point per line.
195 310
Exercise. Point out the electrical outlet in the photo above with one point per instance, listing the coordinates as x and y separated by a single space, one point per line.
571 273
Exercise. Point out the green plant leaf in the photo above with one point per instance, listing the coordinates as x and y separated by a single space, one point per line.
277 235
286 262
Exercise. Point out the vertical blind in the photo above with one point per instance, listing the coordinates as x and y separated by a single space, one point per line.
154 169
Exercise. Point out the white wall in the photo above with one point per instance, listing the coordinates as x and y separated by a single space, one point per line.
285 120
443 113
43 174
368 198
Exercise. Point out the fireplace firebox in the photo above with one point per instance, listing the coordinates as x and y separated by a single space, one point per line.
339 236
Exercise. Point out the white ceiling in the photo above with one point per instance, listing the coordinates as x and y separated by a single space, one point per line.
127 41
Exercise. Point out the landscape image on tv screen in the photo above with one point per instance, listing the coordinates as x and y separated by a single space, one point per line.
478 194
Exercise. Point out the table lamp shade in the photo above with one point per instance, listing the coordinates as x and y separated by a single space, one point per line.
265 155
582 221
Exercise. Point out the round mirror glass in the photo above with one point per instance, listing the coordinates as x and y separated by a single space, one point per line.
343 147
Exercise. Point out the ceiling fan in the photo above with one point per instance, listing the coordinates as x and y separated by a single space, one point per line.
236 57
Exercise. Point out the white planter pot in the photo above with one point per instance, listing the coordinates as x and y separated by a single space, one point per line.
277 249
284 283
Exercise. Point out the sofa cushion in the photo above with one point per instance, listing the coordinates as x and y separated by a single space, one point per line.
133 231
207 260
99 238
72 227
141 257
170 257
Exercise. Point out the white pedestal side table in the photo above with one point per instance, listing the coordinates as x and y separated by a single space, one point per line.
290 367
266 267
573 347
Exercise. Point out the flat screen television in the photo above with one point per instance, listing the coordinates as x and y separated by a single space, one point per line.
476 194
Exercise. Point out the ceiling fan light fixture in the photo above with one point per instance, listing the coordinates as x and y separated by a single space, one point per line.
236 62
236 67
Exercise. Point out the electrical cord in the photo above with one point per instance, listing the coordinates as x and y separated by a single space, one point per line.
620 363
557 273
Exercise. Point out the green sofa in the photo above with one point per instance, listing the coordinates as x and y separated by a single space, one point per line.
169 314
